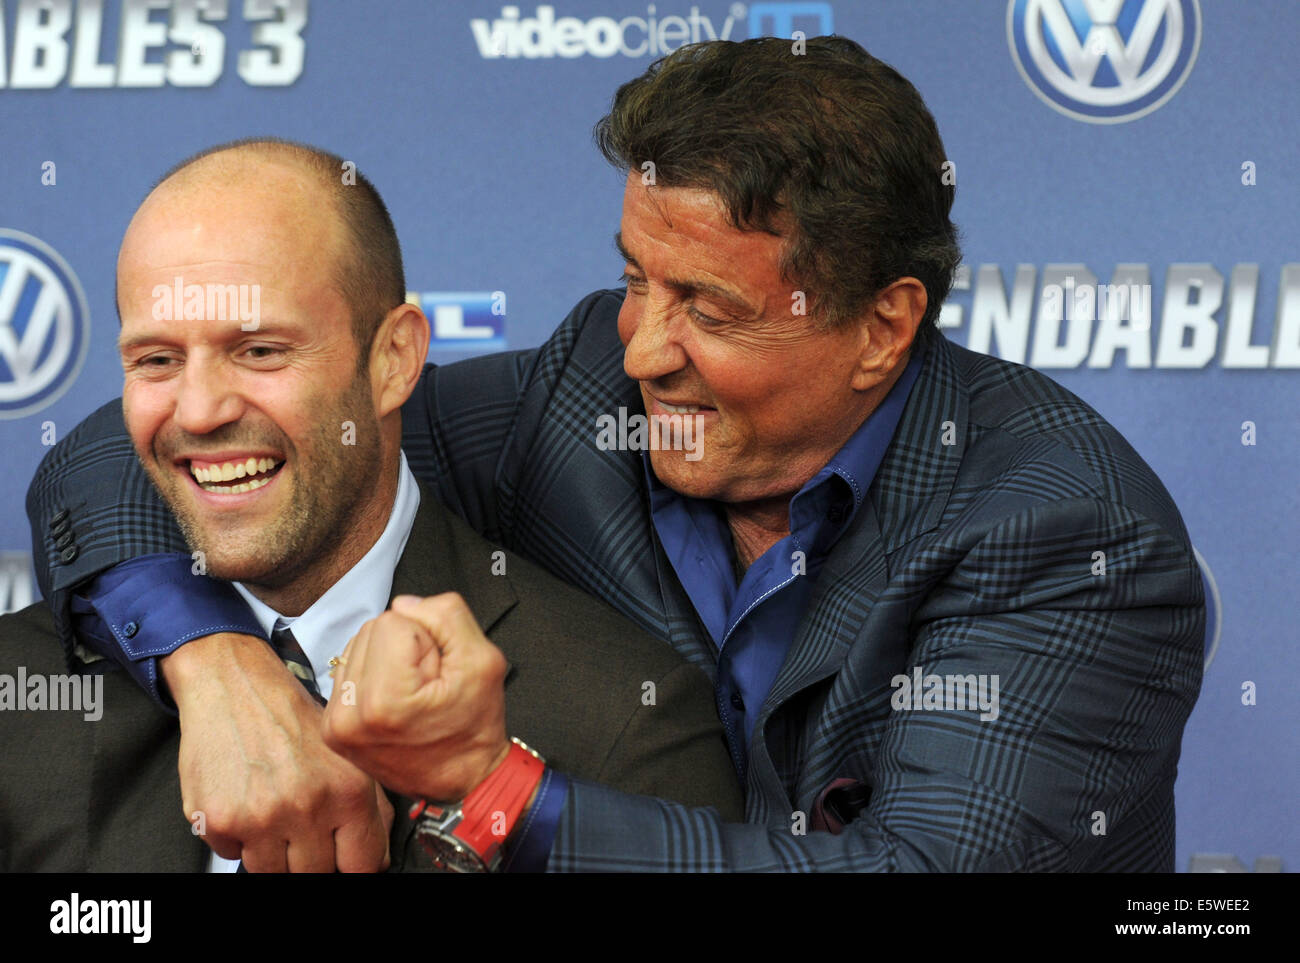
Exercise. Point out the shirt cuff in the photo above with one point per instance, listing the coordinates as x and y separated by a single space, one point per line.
531 849
148 607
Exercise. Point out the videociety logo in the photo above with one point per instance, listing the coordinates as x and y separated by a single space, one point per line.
44 325
1104 61
663 28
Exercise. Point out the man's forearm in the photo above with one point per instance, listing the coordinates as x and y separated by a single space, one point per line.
144 609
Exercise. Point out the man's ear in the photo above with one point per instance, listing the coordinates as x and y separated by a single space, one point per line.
888 329
397 356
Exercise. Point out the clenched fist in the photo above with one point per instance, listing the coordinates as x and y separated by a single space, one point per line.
419 699
253 762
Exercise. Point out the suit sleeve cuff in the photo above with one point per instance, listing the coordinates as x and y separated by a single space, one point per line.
530 851
148 607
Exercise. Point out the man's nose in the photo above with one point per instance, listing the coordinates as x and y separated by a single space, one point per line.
654 349
206 399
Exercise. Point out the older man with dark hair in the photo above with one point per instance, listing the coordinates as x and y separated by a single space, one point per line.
951 619
832 149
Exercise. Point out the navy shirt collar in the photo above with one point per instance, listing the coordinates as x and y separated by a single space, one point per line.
823 508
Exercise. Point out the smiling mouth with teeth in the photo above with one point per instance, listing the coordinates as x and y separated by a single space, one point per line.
225 479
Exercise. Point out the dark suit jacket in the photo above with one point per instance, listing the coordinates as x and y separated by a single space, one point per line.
973 554
77 795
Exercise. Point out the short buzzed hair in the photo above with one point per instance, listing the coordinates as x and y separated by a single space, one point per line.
369 271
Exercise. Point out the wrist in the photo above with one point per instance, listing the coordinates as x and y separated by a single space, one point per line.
469 836
210 655
178 667
498 759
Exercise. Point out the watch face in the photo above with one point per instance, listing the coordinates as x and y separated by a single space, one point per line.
448 854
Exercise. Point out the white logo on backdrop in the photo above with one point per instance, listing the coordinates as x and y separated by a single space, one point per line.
1104 61
44 325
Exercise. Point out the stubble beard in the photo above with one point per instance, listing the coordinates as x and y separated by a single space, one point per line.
329 482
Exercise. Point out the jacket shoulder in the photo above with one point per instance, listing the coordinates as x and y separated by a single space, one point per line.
1029 433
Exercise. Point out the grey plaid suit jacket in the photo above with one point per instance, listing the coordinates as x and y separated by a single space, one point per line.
975 553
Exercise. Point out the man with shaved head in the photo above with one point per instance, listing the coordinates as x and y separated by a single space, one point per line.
301 534
274 437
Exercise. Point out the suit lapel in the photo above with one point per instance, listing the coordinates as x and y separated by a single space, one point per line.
850 582
915 480
686 632
580 509
441 555
906 499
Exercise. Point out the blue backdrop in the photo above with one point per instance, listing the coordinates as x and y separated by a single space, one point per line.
1113 141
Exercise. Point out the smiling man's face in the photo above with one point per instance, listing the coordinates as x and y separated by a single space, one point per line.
709 323
205 399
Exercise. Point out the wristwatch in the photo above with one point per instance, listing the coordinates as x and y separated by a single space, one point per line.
466 836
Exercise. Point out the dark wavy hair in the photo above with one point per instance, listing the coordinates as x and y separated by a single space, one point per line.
828 147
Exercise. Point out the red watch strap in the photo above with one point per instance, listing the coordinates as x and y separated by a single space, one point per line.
493 807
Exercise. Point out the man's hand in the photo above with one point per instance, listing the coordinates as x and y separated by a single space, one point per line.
253 762
419 699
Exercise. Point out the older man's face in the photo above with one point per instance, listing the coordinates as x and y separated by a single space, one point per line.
709 324
267 401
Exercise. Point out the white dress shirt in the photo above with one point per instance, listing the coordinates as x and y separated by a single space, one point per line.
329 623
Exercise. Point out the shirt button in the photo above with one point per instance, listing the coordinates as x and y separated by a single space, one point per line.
59 518
737 702
130 629
64 540
69 555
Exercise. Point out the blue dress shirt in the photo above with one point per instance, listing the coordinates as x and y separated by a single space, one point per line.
753 623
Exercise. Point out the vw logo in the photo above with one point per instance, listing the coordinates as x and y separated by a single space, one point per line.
44 325
1104 61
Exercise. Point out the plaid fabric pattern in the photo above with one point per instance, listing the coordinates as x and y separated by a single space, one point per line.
974 555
